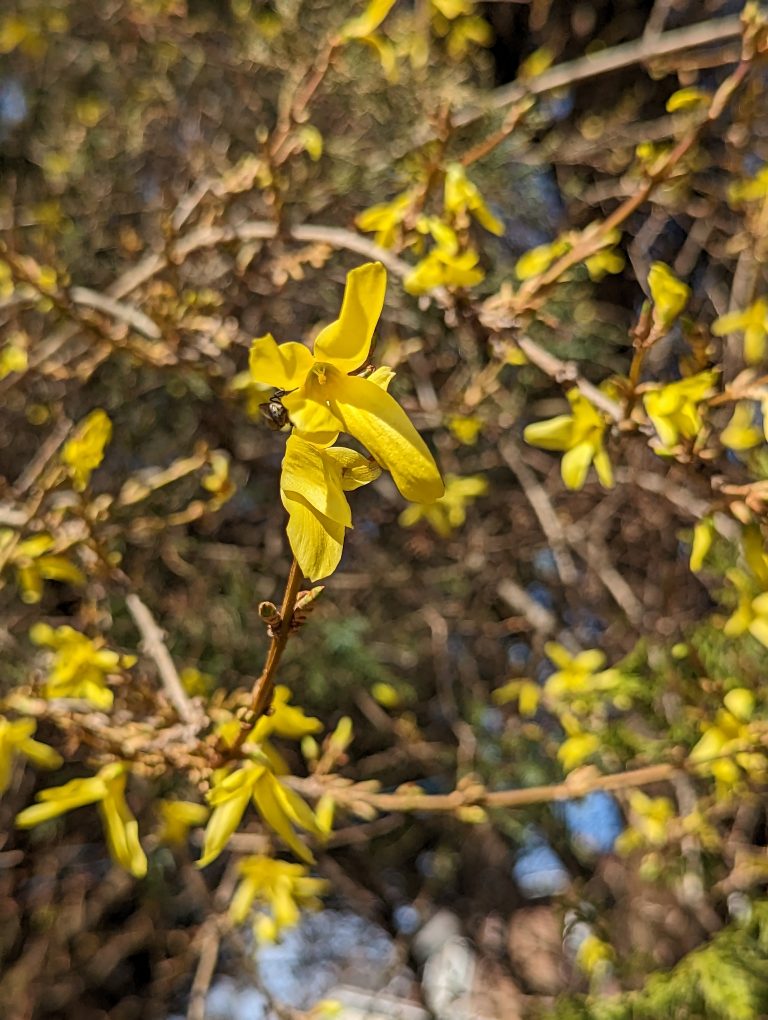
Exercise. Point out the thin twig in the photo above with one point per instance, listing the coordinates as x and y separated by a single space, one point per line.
153 644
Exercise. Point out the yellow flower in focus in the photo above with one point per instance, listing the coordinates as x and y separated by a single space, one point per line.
325 399
741 432
107 790
80 665
674 408
581 435
34 562
15 739
669 295
177 817
84 452
753 323
280 808
449 512
462 198
281 890
284 720
312 486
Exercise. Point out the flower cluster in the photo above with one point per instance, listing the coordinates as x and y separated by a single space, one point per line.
81 665
325 392
281 889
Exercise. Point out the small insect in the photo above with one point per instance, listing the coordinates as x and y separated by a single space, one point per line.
273 412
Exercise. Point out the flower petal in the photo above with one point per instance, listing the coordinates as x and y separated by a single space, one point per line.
347 341
552 434
284 366
310 473
377 420
308 410
575 465
316 541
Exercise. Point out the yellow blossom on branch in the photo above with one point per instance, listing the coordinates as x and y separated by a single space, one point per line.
177 818
449 512
80 664
741 432
669 295
578 745
703 534
386 218
578 674
281 889
753 323
34 561
84 452
462 198
674 407
107 790
16 739
751 189
724 748
325 398
751 613
581 435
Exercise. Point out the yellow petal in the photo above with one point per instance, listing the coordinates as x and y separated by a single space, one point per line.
308 410
552 434
122 830
575 465
271 809
741 433
377 420
316 541
58 568
356 470
310 473
368 21
345 344
284 366
703 534
224 820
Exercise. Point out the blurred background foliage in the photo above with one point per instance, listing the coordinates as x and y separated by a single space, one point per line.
147 150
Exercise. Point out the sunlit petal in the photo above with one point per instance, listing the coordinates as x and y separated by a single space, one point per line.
575 465
553 434
284 366
347 341
316 541
310 473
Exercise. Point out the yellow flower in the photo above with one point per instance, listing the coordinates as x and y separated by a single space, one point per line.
687 99
751 189
703 534
324 399
674 408
83 453
16 738
278 805
367 22
386 218
107 790
444 267
670 295
80 665
449 512
284 720
577 674
218 480
741 433
462 197
177 818
603 262
464 428
312 486
751 613
581 435
753 323
34 563
718 751
651 817
281 887
577 746
538 260
525 692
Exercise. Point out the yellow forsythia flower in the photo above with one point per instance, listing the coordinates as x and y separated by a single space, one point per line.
34 563
281 890
367 22
752 189
717 752
107 790
177 818
741 432
581 435
284 720
80 665
687 99
674 408
386 219
325 399
84 452
464 428
703 534
577 674
312 486
449 512
751 614
753 323
539 259
280 808
650 818
462 197
15 739
669 295
577 746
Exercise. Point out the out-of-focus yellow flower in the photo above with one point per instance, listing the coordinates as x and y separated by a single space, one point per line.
463 198
577 674
674 407
280 889
651 818
444 268
284 720
107 790
13 358
537 63
753 323
80 665
594 957
703 534
687 99
669 295
450 511
34 563
218 481
581 435
465 428
603 262
718 752
751 613
386 218
741 432
15 739
280 808
578 745
177 817
539 259
367 22
525 692
751 189
325 399
84 452
312 486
